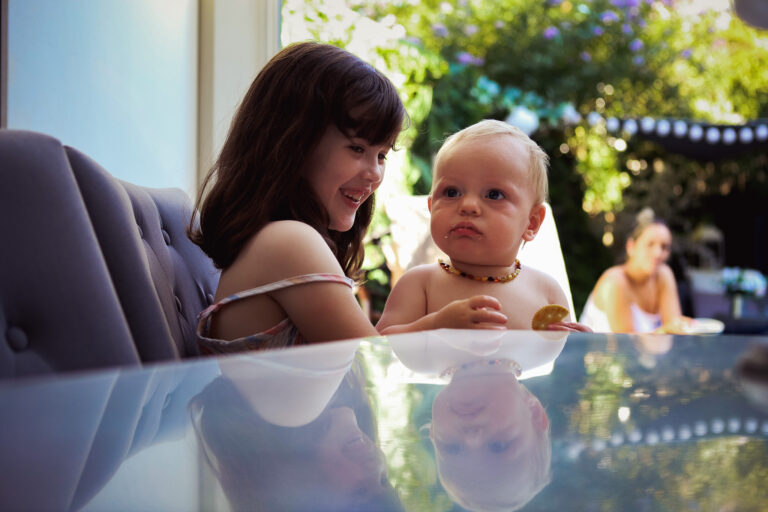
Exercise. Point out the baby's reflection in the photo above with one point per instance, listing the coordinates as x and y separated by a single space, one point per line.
271 455
491 437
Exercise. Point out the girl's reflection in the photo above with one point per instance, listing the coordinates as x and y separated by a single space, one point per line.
329 461
491 437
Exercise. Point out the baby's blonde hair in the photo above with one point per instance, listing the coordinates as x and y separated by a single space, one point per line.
539 160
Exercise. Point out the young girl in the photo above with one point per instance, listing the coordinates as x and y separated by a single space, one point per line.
639 295
487 199
290 198
330 463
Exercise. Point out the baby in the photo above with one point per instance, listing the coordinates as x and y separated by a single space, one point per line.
491 437
487 199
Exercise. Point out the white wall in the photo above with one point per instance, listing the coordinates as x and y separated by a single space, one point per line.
237 37
116 79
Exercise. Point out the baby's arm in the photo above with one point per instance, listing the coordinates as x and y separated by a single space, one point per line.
556 295
406 309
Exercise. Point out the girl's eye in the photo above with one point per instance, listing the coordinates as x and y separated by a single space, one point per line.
356 149
451 192
382 156
499 446
495 194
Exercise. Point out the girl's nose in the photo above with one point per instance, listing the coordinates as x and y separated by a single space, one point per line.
374 171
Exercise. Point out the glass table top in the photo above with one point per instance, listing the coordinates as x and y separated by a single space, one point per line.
439 420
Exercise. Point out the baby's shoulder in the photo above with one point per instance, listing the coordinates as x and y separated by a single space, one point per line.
541 284
420 273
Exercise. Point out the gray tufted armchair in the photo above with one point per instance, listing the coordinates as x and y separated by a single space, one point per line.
94 271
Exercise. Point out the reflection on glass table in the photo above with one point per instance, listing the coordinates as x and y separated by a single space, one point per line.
442 420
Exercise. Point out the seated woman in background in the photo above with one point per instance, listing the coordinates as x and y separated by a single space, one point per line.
639 295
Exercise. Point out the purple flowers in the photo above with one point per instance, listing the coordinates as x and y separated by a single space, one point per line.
439 30
609 17
625 3
470 30
585 56
636 45
551 32
686 53
469 59
598 31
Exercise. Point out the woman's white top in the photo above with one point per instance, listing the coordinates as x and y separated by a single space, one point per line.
597 320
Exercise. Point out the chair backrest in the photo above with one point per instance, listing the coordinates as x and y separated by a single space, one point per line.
94 271
58 308
163 280
412 243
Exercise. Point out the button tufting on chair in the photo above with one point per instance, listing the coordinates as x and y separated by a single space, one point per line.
17 339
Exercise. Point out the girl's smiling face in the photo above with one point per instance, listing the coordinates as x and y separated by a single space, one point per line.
344 172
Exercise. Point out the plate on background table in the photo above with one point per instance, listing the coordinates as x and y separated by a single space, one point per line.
705 326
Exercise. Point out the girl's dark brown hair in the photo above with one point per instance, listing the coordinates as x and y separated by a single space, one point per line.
260 175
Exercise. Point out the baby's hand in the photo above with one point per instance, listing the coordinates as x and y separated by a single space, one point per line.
568 326
478 312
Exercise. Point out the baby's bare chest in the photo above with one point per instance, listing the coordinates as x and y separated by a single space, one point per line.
519 299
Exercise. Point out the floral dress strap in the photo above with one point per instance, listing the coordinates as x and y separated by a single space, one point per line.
280 333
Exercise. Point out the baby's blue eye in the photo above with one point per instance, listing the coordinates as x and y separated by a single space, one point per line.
499 446
451 192
495 194
450 448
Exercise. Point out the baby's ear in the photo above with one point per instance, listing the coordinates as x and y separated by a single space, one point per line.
538 414
429 203
535 220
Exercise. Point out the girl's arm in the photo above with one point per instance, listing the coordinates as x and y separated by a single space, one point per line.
322 311
406 309
613 297
672 320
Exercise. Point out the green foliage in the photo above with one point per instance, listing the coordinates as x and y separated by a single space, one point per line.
462 61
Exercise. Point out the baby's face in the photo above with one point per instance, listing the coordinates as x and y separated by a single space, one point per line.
482 201
481 419
486 433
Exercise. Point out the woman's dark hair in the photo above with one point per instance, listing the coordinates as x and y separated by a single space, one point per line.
260 175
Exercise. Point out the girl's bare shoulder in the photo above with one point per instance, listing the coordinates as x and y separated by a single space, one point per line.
613 276
288 248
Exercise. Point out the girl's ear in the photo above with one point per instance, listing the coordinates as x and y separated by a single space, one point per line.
429 203
535 219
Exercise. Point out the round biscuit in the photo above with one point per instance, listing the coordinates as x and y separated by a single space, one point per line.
549 314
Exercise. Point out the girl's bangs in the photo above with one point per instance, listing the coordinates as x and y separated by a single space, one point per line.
373 111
